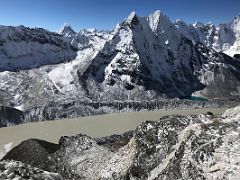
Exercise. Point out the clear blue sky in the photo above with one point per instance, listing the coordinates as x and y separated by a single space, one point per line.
105 14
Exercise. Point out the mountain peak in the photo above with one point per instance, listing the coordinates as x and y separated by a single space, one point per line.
236 19
66 30
198 24
131 19
131 16
156 14
158 20
179 21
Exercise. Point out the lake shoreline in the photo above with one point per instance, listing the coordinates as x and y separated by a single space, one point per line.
94 126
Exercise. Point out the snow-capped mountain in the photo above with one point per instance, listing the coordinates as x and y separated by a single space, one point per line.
144 52
26 48
142 58
224 37
150 53
34 85
66 30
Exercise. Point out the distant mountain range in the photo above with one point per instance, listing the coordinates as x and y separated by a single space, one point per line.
142 58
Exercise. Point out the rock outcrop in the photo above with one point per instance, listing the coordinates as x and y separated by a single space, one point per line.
10 170
174 147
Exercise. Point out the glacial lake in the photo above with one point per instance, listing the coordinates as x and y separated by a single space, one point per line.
93 126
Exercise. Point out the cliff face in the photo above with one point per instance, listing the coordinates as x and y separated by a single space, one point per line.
10 116
174 147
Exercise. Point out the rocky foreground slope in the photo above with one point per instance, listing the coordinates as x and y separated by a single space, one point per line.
174 147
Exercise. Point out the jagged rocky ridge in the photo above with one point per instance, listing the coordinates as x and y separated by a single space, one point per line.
224 37
174 147
143 58
149 53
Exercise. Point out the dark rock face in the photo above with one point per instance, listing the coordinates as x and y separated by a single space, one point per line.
10 116
114 142
237 56
175 147
34 152
221 73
